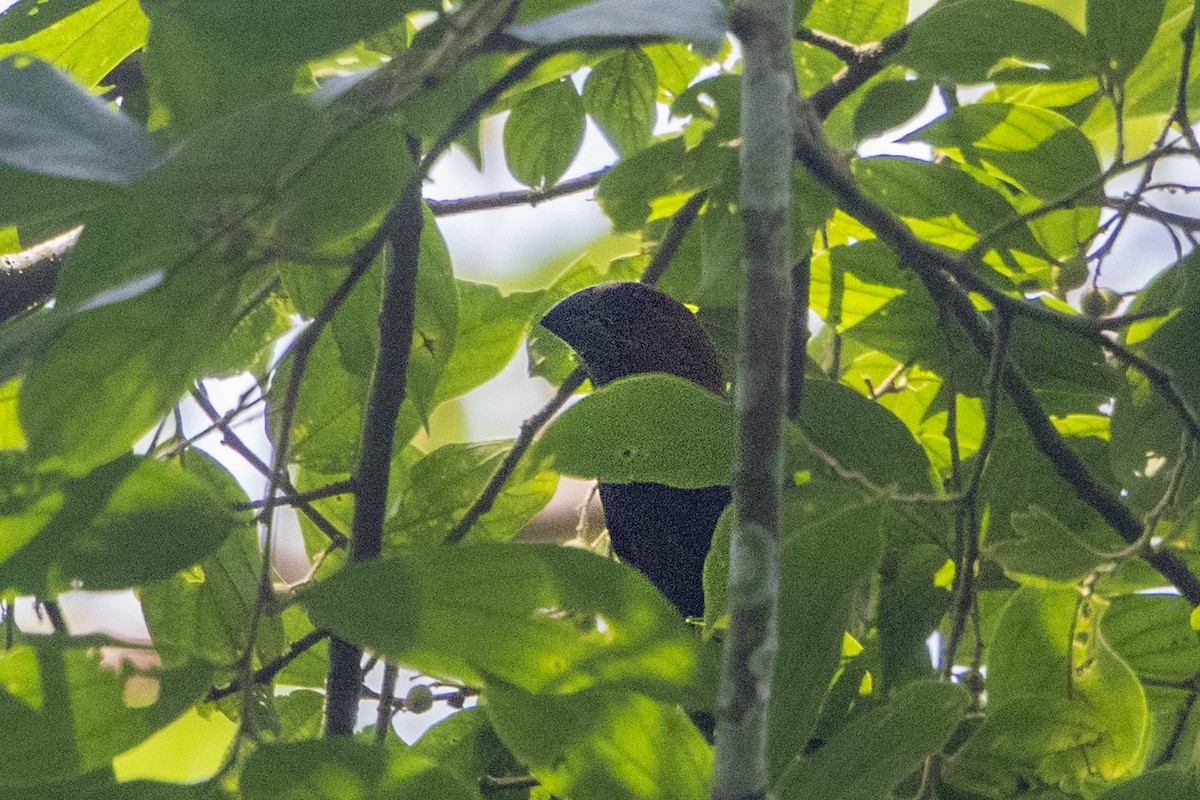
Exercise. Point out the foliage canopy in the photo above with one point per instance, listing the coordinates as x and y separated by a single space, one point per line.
995 438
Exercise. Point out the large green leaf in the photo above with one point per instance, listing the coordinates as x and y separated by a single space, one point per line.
490 328
1064 709
1037 149
112 372
200 613
128 522
438 490
293 33
1153 635
339 769
602 744
1120 32
69 702
656 428
1046 552
834 418
87 43
825 559
543 133
880 748
548 619
976 40
860 22
50 125
619 94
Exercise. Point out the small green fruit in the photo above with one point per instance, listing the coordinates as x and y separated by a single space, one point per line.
1099 302
1069 275
419 699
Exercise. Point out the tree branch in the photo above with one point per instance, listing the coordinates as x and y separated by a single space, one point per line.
27 278
388 390
751 641
945 278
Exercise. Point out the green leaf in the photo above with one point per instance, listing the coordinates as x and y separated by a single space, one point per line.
438 490
328 416
198 76
491 326
656 428
889 105
294 33
200 613
703 22
620 95
944 205
110 373
543 133
50 125
87 43
1153 635
977 40
1080 711
1162 782
1120 32
861 22
67 701
465 744
24 18
602 744
527 614
911 603
344 187
129 522
850 284
675 65
627 190
880 748
1046 553
833 418
340 769
1035 148
823 562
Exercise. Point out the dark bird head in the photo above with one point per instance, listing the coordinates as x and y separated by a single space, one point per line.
621 329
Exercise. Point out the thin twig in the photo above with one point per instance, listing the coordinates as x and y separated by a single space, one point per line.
529 430
967 520
387 702
332 490
520 197
268 672
231 440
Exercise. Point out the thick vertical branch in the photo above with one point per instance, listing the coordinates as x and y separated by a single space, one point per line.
405 221
764 27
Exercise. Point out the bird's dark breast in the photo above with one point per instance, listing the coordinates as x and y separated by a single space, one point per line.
666 532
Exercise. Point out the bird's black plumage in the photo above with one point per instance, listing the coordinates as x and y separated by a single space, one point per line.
620 329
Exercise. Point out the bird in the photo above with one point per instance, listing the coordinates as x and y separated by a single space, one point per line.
625 328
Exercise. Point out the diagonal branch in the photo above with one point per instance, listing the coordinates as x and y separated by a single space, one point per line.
941 274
